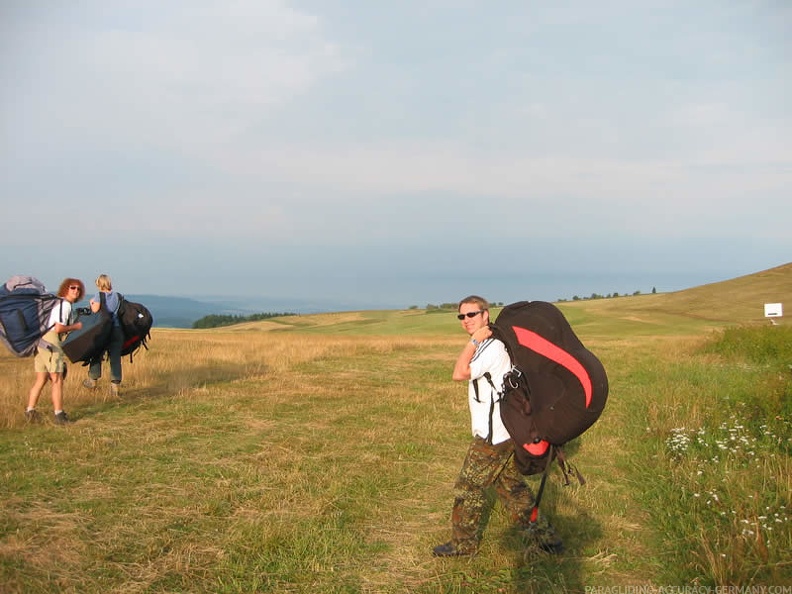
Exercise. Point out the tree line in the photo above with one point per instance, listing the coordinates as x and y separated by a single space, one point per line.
608 296
217 320
453 306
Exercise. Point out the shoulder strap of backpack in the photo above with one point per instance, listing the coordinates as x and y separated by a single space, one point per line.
492 406
60 316
41 343
69 319
103 301
476 385
488 375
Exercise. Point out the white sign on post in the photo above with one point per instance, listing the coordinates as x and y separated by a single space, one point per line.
774 310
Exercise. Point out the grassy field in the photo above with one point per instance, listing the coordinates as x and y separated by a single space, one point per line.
318 454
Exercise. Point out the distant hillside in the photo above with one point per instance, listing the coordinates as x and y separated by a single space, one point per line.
739 300
174 312
181 312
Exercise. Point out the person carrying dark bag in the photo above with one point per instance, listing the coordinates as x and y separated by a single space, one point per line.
109 299
489 462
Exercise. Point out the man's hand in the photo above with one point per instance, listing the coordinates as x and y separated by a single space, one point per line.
462 367
481 335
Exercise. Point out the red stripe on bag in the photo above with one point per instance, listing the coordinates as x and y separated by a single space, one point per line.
555 353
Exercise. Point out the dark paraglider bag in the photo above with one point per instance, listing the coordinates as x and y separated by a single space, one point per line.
89 342
136 322
556 388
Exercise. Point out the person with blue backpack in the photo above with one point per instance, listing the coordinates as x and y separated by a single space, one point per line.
50 361
111 300
489 462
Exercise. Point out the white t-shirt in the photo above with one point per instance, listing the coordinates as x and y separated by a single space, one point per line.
61 313
490 356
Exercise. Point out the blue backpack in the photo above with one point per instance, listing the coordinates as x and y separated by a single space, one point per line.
25 307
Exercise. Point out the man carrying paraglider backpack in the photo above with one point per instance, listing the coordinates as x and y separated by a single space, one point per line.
490 460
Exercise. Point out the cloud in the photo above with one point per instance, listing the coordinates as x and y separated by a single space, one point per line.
185 77
335 130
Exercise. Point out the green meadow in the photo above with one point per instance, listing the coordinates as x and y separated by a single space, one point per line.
318 453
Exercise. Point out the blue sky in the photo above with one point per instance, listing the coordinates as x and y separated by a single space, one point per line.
395 153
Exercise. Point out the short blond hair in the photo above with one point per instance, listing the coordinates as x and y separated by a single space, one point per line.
104 283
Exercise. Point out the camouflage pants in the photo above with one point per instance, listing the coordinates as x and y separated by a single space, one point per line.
488 466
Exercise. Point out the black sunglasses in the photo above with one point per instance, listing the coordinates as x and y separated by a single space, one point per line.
470 314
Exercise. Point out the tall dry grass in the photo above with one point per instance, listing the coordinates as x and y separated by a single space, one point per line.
181 361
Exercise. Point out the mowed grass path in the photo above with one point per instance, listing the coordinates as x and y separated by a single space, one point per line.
318 454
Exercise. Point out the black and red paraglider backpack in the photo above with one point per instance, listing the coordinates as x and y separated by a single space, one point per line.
555 390
136 322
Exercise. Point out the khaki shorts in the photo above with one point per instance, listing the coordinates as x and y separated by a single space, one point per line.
49 361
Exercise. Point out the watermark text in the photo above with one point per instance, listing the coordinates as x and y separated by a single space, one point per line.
688 590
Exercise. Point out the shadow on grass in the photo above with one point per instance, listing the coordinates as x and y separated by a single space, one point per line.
536 570
532 570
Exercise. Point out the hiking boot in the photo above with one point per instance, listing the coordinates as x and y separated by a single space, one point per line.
554 546
32 416
544 536
89 383
115 390
62 418
449 550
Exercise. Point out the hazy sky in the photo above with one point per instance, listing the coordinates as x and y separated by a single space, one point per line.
395 152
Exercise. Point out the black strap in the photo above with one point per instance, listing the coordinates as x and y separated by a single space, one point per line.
568 469
492 407
103 302
60 321
489 379
535 510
